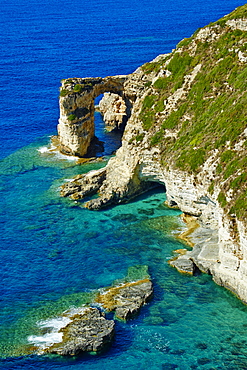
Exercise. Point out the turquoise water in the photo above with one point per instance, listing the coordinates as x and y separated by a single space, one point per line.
54 252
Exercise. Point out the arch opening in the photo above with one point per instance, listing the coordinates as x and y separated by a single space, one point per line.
78 134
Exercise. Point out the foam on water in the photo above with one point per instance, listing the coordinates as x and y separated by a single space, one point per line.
44 149
53 326
52 151
46 340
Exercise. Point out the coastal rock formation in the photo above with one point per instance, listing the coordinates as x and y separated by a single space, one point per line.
126 299
84 185
76 122
86 329
114 111
187 130
88 332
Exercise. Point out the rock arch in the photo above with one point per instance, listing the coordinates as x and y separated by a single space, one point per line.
76 122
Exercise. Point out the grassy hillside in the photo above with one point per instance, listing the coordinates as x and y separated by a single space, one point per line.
210 118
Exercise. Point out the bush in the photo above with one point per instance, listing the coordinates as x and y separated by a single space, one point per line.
71 117
78 88
63 93
157 137
222 199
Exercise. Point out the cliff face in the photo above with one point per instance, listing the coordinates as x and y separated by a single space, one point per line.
188 130
114 111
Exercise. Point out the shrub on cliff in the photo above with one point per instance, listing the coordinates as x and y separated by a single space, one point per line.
202 102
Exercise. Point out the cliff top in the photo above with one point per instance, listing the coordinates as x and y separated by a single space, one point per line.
194 108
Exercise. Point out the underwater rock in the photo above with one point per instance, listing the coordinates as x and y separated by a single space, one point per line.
88 332
125 217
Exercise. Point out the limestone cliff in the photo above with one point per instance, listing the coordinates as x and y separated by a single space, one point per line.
114 111
187 129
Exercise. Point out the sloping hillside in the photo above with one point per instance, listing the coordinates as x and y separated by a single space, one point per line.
196 107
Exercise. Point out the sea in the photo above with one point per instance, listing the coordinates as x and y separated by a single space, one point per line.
53 252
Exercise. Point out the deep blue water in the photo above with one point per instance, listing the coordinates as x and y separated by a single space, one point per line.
53 251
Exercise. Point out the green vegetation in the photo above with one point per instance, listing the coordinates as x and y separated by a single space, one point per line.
211 188
63 93
147 113
222 199
212 114
240 12
240 206
78 87
139 137
157 137
179 66
148 101
70 88
162 83
184 42
72 117
239 181
174 117
153 66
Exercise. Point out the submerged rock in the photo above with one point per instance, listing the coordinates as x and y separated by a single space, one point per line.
88 332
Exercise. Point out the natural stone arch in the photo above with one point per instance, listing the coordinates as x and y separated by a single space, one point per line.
76 122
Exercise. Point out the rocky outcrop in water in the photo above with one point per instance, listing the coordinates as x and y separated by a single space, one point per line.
84 185
88 332
76 122
86 329
187 130
127 299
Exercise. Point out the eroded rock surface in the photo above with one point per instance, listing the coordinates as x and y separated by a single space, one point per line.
76 122
86 329
84 185
114 111
127 299
88 332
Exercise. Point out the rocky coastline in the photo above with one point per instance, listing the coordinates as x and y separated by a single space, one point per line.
87 332
207 182
87 328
